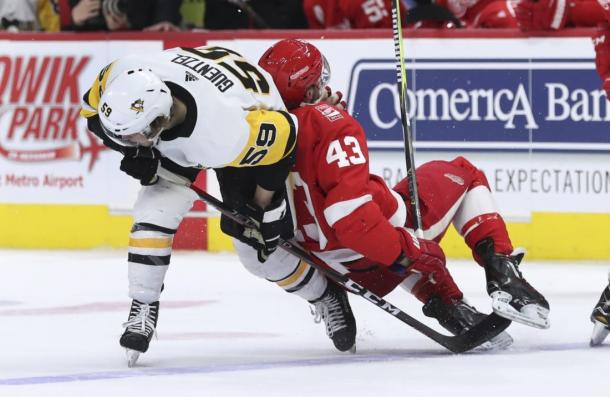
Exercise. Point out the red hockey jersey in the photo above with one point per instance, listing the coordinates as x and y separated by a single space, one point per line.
605 4
343 212
482 13
346 14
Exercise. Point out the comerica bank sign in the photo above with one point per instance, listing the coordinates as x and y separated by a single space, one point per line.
485 104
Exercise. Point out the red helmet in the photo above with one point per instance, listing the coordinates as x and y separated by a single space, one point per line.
295 66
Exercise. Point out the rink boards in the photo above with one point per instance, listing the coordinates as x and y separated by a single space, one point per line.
529 112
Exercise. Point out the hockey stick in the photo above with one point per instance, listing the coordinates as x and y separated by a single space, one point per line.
401 79
490 327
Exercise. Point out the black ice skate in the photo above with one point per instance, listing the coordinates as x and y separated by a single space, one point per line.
601 318
139 329
458 317
512 296
333 307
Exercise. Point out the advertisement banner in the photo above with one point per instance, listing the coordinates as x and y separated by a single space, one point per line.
47 156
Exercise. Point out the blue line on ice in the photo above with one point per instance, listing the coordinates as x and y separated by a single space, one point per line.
382 356
142 372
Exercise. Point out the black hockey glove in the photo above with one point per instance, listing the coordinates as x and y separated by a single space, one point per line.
142 165
265 237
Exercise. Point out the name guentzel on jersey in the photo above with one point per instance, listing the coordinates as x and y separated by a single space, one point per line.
205 70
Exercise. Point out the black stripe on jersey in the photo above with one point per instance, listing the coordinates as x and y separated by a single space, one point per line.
186 128
150 260
149 226
305 281
86 97
290 142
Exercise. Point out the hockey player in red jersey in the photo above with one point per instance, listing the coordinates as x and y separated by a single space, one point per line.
557 14
601 43
348 14
601 312
482 13
351 221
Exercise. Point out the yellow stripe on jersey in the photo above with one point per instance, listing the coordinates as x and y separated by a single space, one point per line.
150 242
272 138
295 275
92 97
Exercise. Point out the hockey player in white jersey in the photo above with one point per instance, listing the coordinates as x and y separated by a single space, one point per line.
174 113
601 317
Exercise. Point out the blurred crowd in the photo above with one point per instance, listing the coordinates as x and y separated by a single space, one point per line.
173 15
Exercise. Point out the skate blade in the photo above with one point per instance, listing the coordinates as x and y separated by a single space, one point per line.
500 342
533 315
132 357
600 332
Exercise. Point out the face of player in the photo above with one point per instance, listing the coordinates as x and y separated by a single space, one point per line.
150 136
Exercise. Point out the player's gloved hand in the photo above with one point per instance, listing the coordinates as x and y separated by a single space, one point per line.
426 258
335 99
418 255
601 42
142 165
541 14
265 235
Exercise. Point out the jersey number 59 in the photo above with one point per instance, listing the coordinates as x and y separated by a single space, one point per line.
265 138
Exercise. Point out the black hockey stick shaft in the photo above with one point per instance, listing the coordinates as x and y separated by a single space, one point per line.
482 332
401 79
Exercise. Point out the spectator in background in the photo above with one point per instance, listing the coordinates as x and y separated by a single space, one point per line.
367 14
192 13
345 14
482 13
601 43
555 14
29 15
149 15
254 14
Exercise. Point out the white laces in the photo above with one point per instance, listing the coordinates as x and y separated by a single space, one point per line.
141 323
329 310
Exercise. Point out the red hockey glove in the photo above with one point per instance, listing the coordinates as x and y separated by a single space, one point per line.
541 14
430 264
418 255
601 41
333 99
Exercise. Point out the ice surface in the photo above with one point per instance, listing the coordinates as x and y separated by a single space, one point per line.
223 332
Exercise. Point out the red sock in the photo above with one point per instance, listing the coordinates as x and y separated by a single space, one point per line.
484 226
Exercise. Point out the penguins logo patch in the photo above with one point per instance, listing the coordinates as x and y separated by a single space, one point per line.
137 106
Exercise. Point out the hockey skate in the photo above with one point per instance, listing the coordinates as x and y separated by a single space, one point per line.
139 329
601 318
458 317
333 307
512 296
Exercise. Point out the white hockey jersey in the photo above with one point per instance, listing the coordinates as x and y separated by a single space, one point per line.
235 115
